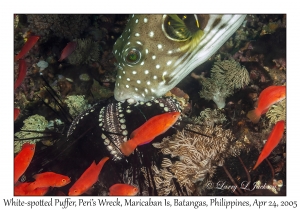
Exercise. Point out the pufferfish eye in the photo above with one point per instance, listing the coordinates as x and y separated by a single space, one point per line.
132 56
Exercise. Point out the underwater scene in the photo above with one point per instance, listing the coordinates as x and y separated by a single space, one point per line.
149 104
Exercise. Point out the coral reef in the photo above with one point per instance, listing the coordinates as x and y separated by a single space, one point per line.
189 157
62 25
85 52
76 104
226 76
32 123
210 117
100 92
277 112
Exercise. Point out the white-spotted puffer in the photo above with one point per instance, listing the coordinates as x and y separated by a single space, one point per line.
155 52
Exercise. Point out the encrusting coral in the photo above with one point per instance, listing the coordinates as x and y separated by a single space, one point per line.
189 157
277 112
32 123
85 52
76 104
226 76
210 117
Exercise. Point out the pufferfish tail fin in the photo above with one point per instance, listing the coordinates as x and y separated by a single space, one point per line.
254 115
128 147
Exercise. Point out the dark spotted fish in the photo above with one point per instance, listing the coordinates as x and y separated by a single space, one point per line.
155 52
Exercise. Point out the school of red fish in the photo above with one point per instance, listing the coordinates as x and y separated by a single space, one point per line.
43 181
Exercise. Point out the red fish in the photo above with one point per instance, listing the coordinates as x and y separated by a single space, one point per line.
267 98
149 130
88 178
22 160
71 46
48 179
123 190
273 140
38 191
27 46
22 73
21 189
16 113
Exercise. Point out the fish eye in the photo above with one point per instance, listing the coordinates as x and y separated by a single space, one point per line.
63 180
132 56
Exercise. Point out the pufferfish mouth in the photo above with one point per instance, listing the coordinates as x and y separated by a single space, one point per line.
121 95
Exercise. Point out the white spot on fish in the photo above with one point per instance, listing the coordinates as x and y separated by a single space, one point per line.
161 105
127 86
146 90
148 104
138 42
122 120
137 20
145 20
143 94
142 63
157 66
118 84
123 72
148 82
151 34
127 44
136 89
125 132
159 46
152 90
146 71
146 51
138 81
136 34
169 63
133 72
128 79
154 77
153 57
123 126
166 109
132 15
170 52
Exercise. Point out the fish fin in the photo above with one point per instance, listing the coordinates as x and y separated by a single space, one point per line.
128 147
146 142
30 187
101 163
258 162
253 116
